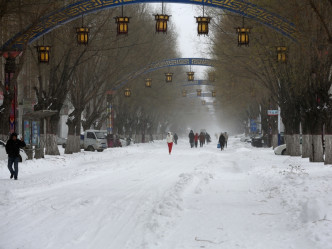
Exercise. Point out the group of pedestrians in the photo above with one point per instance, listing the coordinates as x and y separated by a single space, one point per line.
223 138
202 138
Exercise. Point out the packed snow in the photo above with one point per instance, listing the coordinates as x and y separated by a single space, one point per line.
141 197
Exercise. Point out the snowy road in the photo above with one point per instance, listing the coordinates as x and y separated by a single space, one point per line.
139 197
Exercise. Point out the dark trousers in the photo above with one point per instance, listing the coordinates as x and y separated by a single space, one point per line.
201 143
226 144
196 142
192 144
11 161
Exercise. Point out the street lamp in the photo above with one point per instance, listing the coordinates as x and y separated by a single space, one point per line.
199 92
122 24
148 82
214 93
243 35
203 102
203 24
169 77
127 92
161 21
212 77
191 76
82 34
43 53
184 93
282 54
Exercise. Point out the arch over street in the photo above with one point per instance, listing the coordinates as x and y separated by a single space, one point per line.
83 7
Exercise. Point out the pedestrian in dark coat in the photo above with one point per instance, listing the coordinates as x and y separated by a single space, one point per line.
201 139
196 139
175 137
13 150
222 141
191 138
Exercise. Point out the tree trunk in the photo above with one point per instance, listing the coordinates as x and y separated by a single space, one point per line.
328 149
70 147
51 147
317 153
275 140
306 145
297 146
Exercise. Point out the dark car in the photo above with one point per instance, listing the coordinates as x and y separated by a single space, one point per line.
257 141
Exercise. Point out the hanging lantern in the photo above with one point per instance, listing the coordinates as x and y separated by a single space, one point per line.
82 35
161 23
199 92
184 93
43 54
122 24
212 77
169 77
282 54
203 102
203 25
214 93
243 36
191 76
127 92
148 82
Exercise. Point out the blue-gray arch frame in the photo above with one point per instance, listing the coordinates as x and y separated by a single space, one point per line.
164 64
83 7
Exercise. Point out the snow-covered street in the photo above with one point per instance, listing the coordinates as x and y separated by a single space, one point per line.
139 197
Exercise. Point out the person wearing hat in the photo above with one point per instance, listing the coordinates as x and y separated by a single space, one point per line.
13 150
169 140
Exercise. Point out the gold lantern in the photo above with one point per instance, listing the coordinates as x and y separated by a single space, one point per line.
169 77
127 92
43 54
282 54
199 92
161 23
243 35
203 25
82 35
184 93
148 82
122 24
214 93
212 77
203 102
191 76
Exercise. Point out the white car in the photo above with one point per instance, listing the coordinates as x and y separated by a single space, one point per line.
280 150
3 154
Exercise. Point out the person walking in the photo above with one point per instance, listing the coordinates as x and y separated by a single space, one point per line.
169 139
201 139
175 138
13 146
191 138
222 141
226 139
196 139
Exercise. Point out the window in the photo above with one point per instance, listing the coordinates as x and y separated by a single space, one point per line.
90 135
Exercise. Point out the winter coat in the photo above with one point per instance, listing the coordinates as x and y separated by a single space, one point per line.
13 147
191 137
196 137
169 138
226 136
222 139
202 138
176 137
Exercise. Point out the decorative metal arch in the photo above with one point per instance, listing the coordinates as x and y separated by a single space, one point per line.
83 7
166 63
198 83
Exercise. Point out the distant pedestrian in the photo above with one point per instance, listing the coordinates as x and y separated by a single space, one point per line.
13 150
208 138
226 139
201 139
222 141
169 139
175 138
191 139
196 139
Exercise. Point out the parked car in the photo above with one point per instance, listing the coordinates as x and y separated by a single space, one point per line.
3 154
62 141
94 140
280 150
257 141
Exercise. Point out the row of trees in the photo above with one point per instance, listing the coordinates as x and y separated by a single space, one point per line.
252 81
81 76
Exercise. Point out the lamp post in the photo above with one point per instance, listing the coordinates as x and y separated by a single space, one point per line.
43 54
161 21
122 24
282 54
191 76
82 34
169 77
127 92
243 35
203 24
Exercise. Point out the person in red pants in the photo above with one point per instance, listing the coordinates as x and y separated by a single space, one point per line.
169 140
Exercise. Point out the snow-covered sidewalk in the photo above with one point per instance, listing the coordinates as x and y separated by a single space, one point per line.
139 197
